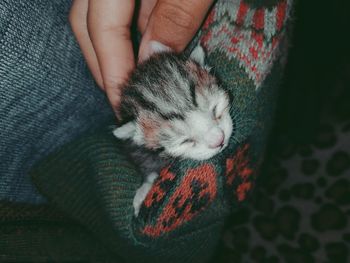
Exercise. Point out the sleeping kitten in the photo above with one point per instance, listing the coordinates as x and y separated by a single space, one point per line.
177 110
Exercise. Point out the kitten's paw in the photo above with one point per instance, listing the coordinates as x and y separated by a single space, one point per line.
142 192
126 131
140 196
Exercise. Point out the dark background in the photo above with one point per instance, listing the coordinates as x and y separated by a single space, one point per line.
307 165
317 76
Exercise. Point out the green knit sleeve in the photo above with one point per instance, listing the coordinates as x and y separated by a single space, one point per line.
183 214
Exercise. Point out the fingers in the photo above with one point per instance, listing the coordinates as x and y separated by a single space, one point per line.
102 29
146 8
109 23
78 21
174 24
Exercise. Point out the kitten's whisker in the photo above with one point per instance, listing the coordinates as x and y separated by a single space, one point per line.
238 137
235 139
244 120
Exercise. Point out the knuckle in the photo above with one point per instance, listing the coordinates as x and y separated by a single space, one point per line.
72 19
113 82
122 32
77 23
173 15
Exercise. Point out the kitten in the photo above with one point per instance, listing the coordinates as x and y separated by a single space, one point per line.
177 110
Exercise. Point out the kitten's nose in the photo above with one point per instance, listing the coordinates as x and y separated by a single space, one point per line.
217 139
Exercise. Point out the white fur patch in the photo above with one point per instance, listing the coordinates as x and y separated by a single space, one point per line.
142 192
202 134
157 47
198 55
126 131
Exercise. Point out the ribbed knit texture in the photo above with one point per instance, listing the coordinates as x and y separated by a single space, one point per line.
39 233
181 218
47 96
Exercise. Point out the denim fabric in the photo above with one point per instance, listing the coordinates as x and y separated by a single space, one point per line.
47 95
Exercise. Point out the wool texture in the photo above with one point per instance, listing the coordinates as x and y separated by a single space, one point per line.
181 219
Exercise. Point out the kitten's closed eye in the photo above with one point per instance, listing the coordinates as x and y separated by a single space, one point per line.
217 115
188 141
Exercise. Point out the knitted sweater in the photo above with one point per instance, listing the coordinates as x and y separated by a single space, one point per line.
90 178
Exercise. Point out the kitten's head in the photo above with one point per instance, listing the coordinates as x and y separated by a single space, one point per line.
177 107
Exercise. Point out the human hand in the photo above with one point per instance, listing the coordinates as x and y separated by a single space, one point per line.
102 28
170 23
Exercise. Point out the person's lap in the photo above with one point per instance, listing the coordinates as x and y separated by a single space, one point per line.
48 96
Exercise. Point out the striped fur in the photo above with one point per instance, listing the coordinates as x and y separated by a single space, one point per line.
177 111
175 104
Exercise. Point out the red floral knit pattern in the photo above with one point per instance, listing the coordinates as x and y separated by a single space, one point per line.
238 168
158 191
196 191
249 35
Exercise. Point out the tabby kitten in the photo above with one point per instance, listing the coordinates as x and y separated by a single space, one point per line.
176 110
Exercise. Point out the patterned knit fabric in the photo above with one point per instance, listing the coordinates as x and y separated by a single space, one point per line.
183 215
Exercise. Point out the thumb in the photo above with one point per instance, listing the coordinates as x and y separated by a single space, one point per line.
173 24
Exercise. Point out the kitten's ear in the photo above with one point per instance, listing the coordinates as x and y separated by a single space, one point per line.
198 55
127 131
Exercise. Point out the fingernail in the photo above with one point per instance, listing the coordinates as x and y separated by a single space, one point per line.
154 47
